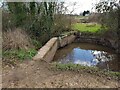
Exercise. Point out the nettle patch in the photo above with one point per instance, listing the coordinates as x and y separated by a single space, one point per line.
20 54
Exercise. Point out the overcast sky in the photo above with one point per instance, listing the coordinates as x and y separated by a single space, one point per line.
81 5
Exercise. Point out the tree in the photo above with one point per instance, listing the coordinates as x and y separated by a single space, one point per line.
109 11
110 19
37 18
17 10
86 12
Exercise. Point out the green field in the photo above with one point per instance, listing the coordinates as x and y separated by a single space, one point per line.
86 27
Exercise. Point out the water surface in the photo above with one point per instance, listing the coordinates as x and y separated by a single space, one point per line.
88 55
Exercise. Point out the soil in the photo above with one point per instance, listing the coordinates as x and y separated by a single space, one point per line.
37 74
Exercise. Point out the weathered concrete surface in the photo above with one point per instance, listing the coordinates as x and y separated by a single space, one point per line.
48 51
66 40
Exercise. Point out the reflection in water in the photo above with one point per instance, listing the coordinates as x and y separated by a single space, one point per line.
78 54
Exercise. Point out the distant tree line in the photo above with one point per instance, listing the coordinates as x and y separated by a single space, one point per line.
86 12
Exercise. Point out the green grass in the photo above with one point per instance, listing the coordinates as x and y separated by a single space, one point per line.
78 67
84 27
20 54
36 43
72 67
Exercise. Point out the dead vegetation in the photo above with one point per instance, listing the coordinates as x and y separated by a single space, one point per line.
16 39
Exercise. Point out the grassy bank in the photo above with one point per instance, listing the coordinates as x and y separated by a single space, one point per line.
78 67
86 27
20 54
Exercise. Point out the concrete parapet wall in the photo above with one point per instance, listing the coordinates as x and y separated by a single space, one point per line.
48 51
66 40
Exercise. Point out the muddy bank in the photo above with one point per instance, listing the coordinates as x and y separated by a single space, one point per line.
38 74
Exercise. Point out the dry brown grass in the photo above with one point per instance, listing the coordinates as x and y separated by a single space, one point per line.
16 39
